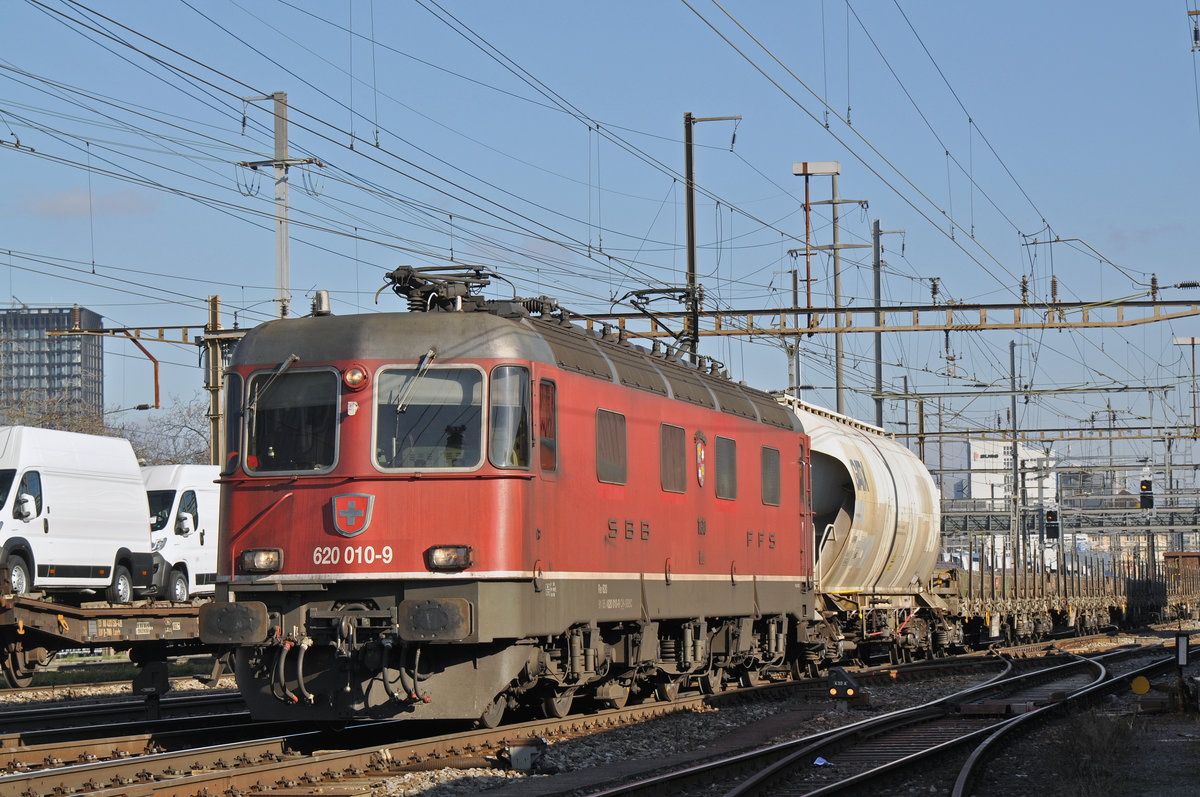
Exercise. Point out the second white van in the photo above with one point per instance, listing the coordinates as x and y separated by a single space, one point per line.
185 504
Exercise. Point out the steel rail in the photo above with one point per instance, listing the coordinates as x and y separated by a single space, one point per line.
990 747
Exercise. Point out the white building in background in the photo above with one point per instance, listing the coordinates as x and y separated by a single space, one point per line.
991 474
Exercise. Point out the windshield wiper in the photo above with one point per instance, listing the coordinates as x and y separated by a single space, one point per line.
422 366
259 392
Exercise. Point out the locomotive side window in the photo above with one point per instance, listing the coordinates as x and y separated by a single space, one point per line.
292 421
726 467
672 448
611 466
508 445
547 421
429 419
233 422
770 476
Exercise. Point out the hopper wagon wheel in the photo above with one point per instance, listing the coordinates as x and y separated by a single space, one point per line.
494 712
667 689
556 703
712 681
749 677
15 671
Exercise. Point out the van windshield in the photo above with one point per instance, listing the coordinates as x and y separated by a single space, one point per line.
161 502
6 480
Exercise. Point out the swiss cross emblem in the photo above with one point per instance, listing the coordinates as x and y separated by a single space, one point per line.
352 513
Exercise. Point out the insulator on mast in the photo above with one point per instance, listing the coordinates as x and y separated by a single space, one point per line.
1024 290
1054 289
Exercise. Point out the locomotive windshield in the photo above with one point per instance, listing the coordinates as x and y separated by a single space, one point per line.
291 421
429 418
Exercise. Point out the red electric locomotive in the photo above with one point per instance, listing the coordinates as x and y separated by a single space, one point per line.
477 504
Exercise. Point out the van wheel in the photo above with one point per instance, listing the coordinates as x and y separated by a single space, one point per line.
177 586
18 575
121 588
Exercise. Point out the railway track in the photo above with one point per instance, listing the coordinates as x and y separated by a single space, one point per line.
152 758
855 758
63 715
151 761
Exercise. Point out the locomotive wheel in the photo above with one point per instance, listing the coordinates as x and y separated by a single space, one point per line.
667 690
492 715
556 703
711 681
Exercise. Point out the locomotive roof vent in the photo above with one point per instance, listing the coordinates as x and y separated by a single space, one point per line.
320 303
508 309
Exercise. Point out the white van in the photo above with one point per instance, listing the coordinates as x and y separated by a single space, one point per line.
185 505
73 513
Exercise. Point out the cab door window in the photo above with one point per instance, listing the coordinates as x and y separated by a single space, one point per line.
547 427
508 446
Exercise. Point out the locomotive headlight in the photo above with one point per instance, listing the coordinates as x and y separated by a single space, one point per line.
261 560
448 557
355 377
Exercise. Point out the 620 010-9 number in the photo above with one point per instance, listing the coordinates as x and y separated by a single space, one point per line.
351 555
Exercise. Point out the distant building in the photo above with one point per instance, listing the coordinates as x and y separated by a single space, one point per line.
38 370
991 474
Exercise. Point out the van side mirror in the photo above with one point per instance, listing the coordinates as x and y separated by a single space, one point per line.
26 507
185 524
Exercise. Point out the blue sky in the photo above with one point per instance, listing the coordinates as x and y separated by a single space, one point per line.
544 140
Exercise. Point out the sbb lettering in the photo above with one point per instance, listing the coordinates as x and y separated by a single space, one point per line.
633 529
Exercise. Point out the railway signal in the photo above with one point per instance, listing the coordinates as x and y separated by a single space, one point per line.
1146 498
842 687
1052 526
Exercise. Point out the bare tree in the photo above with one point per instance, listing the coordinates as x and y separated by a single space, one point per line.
176 435
57 411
